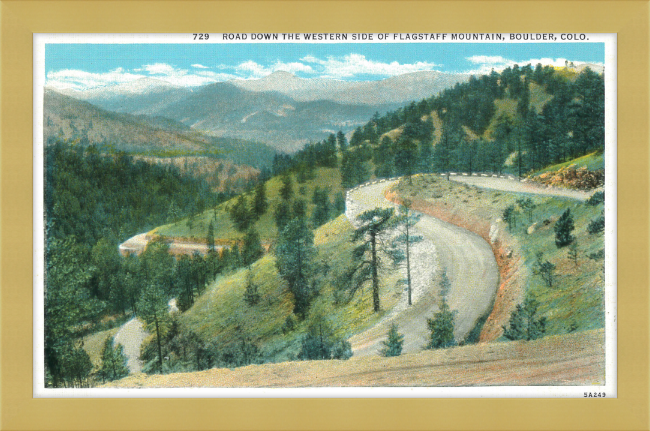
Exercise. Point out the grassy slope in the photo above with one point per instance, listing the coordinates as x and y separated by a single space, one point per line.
221 313
578 293
593 161
265 226
508 107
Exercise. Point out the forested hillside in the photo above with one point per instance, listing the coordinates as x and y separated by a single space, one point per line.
517 121
93 202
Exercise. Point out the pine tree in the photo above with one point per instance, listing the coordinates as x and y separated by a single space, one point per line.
442 328
321 213
286 191
405 221
341 141
251 292
240 214
510 216
260 203
544 269
393 345
282 215
563 228
295 255
113 361
339 203
366 263
252 248
153 310
524 324
209 238
527 206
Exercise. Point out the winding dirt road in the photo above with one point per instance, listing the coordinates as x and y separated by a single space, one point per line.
512 185
467 259
131 335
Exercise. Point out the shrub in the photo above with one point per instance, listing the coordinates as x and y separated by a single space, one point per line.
524 324
321 343
563 228
393 345
597 225
596 199
442 328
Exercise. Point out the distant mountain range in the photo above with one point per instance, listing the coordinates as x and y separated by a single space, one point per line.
66 118
280 109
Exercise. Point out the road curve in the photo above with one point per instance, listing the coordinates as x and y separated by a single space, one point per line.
131 335
512 185
467 259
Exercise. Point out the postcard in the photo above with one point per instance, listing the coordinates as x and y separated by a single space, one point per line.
325 215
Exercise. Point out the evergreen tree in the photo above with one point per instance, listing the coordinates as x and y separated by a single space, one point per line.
405 220
209 238
286 191
442 328
544 269
321 213
299 208
339 204
563 228
524 324
341 141
252 248
113 361
406 158
366 263
251 292
260 203
527 206
510 216
153 310
282 215
393 345
240 215
295 255
445 284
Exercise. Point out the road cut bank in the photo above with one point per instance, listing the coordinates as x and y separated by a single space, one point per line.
510 290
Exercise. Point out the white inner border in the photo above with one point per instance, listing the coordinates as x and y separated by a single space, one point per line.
39 391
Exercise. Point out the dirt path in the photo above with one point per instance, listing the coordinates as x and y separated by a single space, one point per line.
466 257
136 245
131 335
512 185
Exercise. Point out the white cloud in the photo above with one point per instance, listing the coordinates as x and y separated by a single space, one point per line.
252 69
200 66
82 80
353 65
487 59
161 69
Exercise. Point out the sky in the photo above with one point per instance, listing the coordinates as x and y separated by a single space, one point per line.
84 66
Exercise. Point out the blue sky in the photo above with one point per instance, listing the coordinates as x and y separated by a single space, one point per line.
84 66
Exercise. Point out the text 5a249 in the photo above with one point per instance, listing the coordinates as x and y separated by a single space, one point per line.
594 395
201 36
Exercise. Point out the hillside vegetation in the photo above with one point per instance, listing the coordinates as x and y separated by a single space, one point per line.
571 294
